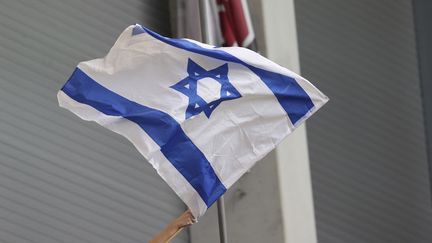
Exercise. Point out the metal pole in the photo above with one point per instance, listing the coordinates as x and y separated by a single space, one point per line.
220 202
203 21
222 220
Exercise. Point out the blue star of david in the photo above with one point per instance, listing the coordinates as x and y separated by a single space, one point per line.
188 86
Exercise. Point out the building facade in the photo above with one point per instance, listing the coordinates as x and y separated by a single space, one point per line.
358 171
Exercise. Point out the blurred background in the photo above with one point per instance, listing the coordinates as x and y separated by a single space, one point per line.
359 171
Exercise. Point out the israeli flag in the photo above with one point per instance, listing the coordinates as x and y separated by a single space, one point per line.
201 115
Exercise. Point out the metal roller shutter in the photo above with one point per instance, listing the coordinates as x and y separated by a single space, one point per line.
63 179
367 146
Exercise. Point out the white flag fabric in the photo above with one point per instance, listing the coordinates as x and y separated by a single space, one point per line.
201 115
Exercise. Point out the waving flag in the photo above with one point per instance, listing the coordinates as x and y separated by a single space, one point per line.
201 115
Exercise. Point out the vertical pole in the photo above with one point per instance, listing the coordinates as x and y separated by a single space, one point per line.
220 202
203 21
222 220
292 155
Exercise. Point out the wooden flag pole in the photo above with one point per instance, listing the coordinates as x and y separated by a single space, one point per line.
174 228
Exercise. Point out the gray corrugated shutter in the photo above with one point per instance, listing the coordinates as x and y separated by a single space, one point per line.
63 179
367 145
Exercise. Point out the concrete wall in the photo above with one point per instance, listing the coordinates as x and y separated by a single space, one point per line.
272 203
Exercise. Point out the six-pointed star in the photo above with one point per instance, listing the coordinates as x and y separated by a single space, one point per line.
188 86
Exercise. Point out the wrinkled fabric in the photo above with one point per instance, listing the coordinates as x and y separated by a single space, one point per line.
201 115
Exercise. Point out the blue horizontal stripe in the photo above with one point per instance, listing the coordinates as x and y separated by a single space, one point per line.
293 99
161 127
